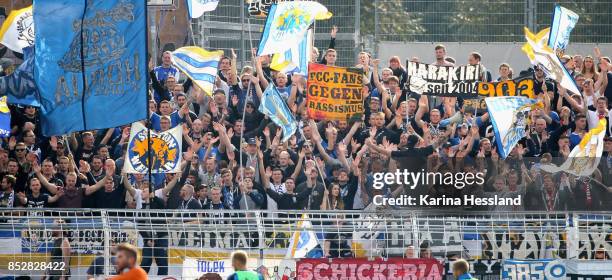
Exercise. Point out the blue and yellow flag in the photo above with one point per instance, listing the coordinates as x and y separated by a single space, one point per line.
90 60
273 106
509 116
20 86
295 60
199 65
5 118
287 24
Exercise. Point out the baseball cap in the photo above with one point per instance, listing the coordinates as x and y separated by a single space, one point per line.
252 141
219 90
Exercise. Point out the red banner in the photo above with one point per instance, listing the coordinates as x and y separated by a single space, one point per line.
364 269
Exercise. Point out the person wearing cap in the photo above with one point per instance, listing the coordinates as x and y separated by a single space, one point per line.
569 64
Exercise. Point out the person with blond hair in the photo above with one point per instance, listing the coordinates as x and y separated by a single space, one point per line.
461 270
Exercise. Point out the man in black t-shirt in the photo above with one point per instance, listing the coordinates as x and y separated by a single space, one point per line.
113 194
36 199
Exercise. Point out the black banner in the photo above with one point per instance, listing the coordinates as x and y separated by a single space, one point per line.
452 81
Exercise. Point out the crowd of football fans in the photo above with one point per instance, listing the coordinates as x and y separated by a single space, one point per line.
233 156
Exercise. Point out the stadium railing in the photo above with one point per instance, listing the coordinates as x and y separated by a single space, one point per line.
196 241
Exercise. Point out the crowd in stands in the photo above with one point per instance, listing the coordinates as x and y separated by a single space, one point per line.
233 156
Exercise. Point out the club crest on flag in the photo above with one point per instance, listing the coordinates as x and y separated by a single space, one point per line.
17 31
287 23
165 147
509 116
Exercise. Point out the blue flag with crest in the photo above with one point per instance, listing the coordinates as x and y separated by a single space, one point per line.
90 63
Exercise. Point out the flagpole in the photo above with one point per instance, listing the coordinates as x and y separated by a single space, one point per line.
148 121
246 99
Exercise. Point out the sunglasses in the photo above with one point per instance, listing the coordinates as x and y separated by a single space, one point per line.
20 150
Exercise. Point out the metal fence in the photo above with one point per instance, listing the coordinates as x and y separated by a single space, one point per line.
189 243
231 26
482 21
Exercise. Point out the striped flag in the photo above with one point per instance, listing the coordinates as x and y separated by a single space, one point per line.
199 65
197 8
294 60
17 31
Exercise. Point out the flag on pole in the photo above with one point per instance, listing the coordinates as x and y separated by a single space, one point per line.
303 242
273 106
82 76
542 55
509 116
294 60
5 118
564 21
287 23
197 8
20 86
199 65
165 155
584 158
17 31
